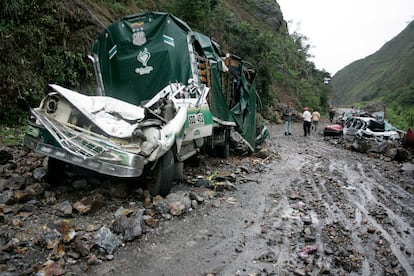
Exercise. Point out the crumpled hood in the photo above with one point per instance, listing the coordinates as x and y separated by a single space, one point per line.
115 117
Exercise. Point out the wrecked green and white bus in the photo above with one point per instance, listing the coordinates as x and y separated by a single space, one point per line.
164 92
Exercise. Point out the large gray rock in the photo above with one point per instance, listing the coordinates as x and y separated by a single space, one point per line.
179 202
129 226
107 240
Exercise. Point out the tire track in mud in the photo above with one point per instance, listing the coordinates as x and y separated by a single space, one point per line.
373 198
318 209
281 223
354 196
336 218
376 204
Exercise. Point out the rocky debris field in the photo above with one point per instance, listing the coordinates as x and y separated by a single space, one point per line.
300 206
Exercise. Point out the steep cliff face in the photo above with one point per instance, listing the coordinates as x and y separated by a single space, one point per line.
263 14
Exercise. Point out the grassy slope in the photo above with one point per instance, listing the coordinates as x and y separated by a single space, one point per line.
379 76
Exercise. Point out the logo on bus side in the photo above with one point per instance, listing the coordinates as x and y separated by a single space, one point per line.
143 57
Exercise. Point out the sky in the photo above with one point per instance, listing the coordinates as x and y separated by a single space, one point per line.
340 32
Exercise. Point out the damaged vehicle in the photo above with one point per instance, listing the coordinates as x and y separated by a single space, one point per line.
150 112
116 138
233 98
334 130
350 113
163 94
369 128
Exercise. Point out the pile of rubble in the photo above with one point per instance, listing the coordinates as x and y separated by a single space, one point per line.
46 229
386 150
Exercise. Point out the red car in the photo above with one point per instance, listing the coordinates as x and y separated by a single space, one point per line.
333 130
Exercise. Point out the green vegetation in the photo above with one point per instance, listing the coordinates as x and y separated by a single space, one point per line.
387 77
400 111
47 41
280 59
401 118
12 136
40 45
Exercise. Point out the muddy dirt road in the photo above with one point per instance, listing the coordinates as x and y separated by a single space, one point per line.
316 209
307 207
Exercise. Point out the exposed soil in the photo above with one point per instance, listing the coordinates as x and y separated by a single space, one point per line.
307 207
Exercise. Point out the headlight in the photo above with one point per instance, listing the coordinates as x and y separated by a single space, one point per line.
51 105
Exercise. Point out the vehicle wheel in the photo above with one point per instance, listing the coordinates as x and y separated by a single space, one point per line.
194 161
208 150
223 151
163 175
179 171
55 171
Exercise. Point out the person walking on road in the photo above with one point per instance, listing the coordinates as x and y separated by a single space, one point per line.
331 115
287 119
307 121
315 120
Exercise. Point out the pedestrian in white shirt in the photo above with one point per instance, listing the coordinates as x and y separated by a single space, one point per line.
307 121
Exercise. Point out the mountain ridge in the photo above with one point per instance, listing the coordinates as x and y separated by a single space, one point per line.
384 76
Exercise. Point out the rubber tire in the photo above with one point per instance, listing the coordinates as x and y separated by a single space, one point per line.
55 171
163 175
223 151
179 171
194 160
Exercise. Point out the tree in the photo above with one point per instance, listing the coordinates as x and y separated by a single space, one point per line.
197 13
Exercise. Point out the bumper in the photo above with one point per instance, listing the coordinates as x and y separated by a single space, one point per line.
330 132
133 169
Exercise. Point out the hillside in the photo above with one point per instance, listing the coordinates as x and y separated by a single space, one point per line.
387 76
54 40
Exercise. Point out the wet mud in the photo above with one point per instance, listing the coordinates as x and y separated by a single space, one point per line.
307 206
316 209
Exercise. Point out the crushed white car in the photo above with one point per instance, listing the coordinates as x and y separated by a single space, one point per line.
369 128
